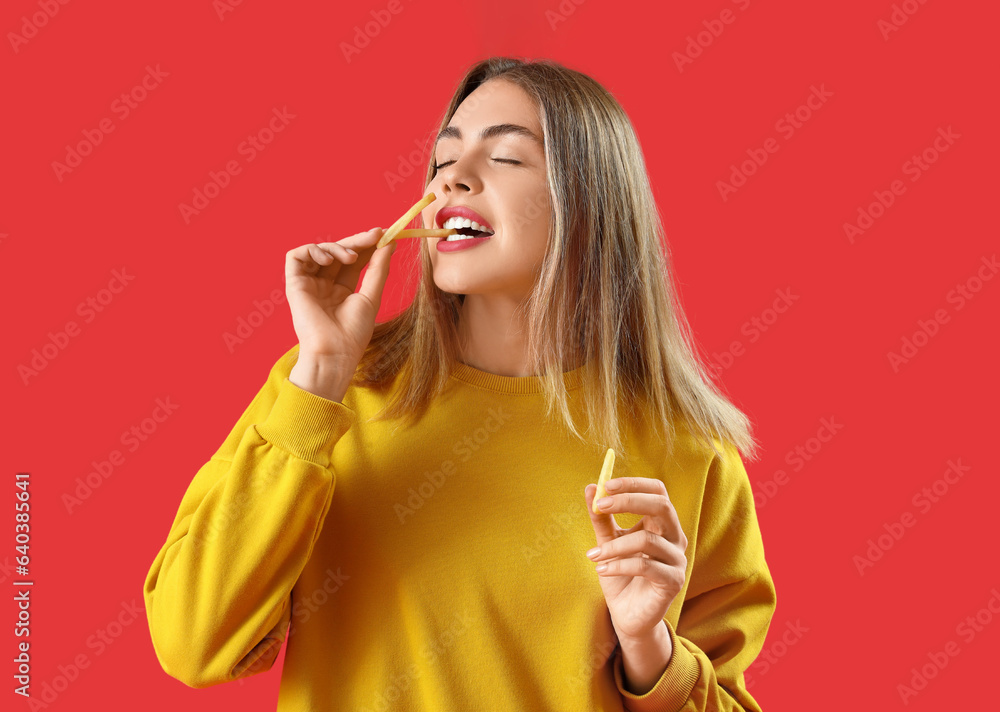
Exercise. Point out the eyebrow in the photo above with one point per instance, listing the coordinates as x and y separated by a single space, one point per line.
490 132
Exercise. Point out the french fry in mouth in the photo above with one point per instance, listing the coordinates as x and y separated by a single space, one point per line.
606 469
398 226
424 232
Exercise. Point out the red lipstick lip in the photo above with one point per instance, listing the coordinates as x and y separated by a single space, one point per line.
459 245
459 211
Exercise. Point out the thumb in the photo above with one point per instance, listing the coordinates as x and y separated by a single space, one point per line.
604 523
373 282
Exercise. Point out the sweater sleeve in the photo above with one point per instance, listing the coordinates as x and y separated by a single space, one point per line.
218 594
727 608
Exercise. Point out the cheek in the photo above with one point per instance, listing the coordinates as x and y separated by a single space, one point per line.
539 236
428 213
526 255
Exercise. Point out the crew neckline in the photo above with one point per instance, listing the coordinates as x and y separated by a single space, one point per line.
514 385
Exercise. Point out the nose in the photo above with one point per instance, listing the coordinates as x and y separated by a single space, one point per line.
459 176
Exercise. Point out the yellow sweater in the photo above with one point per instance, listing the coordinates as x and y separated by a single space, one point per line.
442 567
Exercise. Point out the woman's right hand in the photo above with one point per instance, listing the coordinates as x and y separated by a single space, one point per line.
333 323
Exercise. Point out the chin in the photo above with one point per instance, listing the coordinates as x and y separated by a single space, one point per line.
451 288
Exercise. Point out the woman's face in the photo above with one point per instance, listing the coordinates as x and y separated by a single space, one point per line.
501 178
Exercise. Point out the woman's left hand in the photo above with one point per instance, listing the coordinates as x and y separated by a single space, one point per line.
645 564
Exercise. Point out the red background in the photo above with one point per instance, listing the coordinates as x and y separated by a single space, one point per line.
324 177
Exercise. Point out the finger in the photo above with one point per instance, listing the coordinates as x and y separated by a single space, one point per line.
605 526
362 242
635 503
343 258
310 260
648 568
339 250
346 279
378 271
312 254
352 249
662 515
649 485
642 543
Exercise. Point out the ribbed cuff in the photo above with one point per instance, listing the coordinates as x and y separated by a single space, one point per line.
673 688
305 424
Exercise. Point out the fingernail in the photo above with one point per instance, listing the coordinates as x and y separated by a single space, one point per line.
350 250
612 485
594 553
604 502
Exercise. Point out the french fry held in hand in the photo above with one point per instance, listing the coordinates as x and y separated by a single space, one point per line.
424 232
606 469
398 226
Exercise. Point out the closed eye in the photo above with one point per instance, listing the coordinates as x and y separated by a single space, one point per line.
439 166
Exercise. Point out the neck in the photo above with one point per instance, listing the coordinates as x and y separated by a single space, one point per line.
493 338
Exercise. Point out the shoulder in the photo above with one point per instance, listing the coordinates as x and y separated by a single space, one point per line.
718 461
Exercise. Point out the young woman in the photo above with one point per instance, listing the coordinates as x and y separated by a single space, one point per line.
409 503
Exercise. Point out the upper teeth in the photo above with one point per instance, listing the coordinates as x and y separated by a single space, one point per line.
457 223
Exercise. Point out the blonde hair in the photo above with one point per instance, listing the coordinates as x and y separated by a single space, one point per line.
603 286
